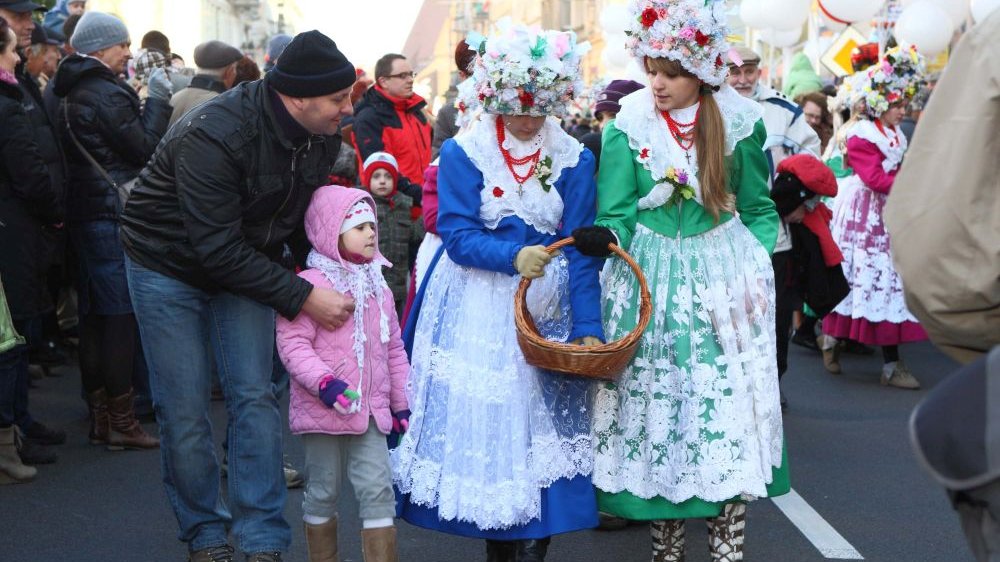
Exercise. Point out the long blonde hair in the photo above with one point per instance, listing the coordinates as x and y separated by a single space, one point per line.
709 140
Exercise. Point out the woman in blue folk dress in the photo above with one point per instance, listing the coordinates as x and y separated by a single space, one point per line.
498 449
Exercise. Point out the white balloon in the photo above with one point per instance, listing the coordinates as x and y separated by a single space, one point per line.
614 53
852 10
787 14
926 25
614 18
634 72
981 9
781 37
958 10
753 14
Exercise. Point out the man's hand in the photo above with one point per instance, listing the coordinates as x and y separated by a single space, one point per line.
328 308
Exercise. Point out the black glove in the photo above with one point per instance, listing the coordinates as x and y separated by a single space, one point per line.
593 241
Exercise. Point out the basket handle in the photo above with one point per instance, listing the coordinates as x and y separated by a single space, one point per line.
645 303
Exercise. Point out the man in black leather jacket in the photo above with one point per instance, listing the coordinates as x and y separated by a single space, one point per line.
203 229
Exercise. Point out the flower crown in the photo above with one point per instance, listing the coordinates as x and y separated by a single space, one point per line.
691 32
895 78
527 71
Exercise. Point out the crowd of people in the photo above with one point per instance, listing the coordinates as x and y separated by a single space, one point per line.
311 231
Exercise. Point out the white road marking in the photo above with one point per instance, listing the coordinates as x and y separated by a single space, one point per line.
821 534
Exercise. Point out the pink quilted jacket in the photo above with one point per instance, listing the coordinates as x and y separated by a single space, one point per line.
311 352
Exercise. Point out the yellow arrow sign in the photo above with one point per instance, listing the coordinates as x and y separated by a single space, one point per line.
838 57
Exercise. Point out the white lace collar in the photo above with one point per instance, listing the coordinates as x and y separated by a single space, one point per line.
501 195
363 282
649 136
893 151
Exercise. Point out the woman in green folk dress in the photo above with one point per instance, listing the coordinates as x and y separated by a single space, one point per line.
692 429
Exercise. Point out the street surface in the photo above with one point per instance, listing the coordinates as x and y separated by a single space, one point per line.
862 494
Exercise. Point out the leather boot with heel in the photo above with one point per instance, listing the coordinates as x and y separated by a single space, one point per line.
97 404
124 429
499 551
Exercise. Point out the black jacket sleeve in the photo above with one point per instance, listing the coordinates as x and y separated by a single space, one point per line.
132 135
208 179
29 179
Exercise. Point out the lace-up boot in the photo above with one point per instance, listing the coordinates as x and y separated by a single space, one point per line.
264 557
668 540
831 353
97 404
725 533
222 553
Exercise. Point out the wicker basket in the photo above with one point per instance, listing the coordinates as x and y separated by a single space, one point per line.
604 361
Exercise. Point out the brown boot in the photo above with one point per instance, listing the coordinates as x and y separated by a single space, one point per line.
321 542
125 431
725 533
379 545
831 353
97 403
668 540
12 470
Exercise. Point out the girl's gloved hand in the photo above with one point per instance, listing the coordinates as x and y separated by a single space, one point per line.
337 395
531 261
401 421
593 241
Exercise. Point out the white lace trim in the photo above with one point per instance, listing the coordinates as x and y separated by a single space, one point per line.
696 413
528 428
649 136
866 130
363 282
535 206
857 227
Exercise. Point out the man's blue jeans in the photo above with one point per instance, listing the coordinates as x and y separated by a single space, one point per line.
182 328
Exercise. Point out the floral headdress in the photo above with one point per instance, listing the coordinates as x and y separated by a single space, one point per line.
896 78
527 71
691 32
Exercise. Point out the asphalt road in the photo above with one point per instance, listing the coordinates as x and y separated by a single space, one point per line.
849 454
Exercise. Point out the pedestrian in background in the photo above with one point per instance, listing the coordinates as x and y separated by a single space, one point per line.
108 139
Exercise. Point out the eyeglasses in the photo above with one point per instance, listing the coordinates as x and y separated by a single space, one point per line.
403 75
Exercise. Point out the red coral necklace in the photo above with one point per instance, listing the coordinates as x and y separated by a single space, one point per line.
511 161
682 133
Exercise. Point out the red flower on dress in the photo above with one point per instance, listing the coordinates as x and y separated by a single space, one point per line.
497 192
644 153
700 38
526 99
649 17
482 96
718 60
461 106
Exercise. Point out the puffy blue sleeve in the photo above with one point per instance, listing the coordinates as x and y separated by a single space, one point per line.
579 195
465 237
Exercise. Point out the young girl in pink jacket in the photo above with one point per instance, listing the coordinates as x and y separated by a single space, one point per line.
347 384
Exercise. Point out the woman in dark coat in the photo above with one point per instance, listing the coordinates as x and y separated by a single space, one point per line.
27 201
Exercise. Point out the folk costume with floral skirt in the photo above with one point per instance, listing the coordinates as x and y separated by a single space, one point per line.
694 421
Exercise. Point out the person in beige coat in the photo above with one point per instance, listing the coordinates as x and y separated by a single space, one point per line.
216 63
944 214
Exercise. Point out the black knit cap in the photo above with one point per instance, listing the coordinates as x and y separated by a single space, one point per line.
311 66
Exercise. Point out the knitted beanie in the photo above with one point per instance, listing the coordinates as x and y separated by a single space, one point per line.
607 100
96 31
379 161
359 213
311 66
